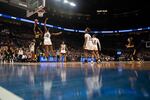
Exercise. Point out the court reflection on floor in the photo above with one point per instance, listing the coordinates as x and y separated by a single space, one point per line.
93 82
77 81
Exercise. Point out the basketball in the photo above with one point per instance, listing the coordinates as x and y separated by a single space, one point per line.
36 20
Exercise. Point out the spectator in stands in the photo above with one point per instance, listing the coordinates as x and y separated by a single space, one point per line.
10 55
1 57
20 54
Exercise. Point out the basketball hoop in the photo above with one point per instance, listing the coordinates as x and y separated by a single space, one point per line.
41 13
35 7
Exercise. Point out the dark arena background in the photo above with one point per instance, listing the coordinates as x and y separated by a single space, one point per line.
74 50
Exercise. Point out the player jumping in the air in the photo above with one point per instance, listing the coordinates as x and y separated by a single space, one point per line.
38 36
47 40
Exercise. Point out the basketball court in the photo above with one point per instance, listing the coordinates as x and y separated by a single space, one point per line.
76 81
50 79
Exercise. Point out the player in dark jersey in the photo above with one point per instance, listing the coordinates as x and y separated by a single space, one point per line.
131 49
38 36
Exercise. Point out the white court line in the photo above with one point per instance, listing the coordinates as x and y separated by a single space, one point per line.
7 95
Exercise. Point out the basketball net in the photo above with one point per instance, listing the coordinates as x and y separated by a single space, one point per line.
41 13
36 8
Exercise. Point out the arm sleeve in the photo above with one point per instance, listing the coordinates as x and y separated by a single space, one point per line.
99 44
44 36
58 33
85 36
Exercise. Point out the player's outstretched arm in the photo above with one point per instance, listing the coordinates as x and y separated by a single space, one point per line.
99 44
35 25
85 42
56 33
40 30
45 25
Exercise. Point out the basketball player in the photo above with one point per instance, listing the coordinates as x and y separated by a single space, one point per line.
87 43
47 40
32 48
38 36
63 51
131 48
96 48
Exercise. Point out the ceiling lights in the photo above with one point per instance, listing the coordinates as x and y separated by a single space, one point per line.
67 2
70 3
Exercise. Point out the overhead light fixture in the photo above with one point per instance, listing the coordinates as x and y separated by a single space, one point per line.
72 4
66 1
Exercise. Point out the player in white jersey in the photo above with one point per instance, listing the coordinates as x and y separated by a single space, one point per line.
47 40
63 50
32 46
87 43
96 48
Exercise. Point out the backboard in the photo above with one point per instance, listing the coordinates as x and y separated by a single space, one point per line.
34 6
18 3
147 44
31 6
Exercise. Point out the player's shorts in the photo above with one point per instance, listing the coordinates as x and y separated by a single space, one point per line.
95 48
89 45
32 50
47 42
63 51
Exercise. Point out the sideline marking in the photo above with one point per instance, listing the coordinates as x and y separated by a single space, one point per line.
7 95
